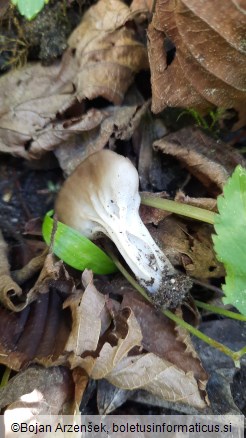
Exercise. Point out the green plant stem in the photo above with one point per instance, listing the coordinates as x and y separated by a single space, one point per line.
220 311
234 355
179 208
5 377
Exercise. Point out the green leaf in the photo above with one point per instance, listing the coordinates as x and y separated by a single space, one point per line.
29 8
75 249
230 241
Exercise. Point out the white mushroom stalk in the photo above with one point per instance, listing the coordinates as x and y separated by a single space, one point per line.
101 196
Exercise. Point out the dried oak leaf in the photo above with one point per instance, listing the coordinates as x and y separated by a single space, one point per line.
209 160
41 93
191 47
108 52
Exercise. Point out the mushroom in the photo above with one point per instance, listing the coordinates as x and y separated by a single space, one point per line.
101 196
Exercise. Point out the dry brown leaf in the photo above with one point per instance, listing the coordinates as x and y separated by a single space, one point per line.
206 203
117 123
209 160
110 355
161 335
207 36
40 94
86 308
40 331
87 348
142 5
8 287
108 52
37 391
160 377
171 368
151 215
189 246
47 391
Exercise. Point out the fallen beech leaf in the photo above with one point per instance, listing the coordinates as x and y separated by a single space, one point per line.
108 53
192 68
211 161
190 247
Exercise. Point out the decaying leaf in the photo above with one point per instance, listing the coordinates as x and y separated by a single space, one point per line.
40 94
113 123
53 393
191 45
109 397
107 51
211 161
37 391
189 246
8 287
206 203
39 332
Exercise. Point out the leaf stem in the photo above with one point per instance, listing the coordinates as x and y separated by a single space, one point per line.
220 311
234 355
5 377
179 208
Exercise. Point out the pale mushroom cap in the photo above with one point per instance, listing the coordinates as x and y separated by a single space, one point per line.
87 190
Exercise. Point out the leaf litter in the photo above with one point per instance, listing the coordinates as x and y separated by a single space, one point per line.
66 324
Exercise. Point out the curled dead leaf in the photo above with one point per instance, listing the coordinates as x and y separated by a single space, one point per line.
110 124
191 45
209 160
39 332
108 52
41 93
8 287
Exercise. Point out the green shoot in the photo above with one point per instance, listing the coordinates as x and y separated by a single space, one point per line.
74 249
